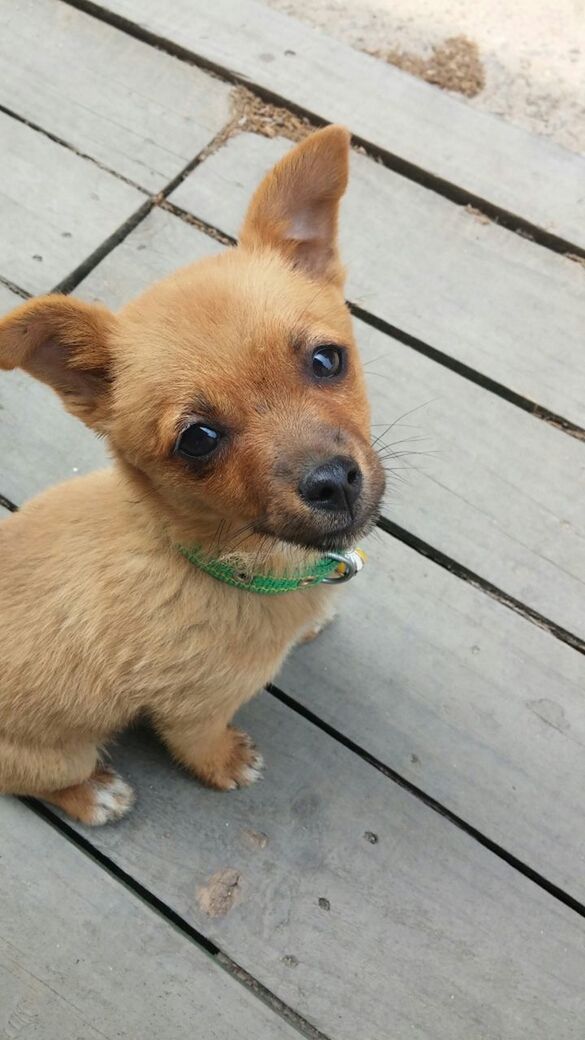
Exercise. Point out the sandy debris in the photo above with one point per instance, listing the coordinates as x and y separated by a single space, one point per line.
454 65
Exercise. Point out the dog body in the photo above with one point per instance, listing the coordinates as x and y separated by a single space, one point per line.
119 624
233 401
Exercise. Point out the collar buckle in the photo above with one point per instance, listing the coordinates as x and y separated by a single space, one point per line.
346 565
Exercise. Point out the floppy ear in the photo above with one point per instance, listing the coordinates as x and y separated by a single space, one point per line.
63 342
295 209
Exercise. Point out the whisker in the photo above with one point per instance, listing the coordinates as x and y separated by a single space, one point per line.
379 375
404 416
408 426
403 440
219 533
244 531
372 361
258 553
430 454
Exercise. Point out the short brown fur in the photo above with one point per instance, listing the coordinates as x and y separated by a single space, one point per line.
101 618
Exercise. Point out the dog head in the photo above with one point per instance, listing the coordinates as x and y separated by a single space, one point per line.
234 387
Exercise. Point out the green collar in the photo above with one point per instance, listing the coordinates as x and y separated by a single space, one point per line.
332 568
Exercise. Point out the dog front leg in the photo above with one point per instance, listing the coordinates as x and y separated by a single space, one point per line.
71 778
219 755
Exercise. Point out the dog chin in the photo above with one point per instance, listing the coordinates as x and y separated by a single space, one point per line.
324 541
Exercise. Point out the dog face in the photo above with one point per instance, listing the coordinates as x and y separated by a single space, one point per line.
234 387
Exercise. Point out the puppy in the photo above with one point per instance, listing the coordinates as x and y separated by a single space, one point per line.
173 584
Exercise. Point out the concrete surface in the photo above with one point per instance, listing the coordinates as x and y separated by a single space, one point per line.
532 52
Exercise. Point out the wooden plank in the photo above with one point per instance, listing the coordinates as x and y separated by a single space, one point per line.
482 295
135 109
80 956
461 696
40 443
523 174
55 208
158 246
481 494
464 945
8 299
484 498
427 924
477 706
418 649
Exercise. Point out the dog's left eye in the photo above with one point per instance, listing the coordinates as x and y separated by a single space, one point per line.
197 441
327 361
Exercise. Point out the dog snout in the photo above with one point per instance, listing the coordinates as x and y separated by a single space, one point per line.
334 485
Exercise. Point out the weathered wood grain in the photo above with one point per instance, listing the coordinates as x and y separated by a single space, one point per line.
40 443
486 497
417 643
487 484
55 208
463 697
8 299
420 933
519 172
158 245
80 956
369 913
135 109
479 707
480 294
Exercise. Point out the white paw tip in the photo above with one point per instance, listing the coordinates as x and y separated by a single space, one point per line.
252 773
112 801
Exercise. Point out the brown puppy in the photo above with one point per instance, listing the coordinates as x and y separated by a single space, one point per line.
233 400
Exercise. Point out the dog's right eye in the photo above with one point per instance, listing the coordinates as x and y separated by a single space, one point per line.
197 441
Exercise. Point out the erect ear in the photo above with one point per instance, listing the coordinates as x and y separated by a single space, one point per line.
295 209
66 343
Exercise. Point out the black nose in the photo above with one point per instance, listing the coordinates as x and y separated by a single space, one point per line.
334 485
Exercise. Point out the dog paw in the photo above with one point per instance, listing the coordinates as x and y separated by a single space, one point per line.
102 798
239 763
109 798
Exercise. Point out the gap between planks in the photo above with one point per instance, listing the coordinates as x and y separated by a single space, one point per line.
170 916
391 774
385 524
441 186
453 566
419 345
5 503
300 1024
432 803
68 284
441 559
16 289
71 281
71 148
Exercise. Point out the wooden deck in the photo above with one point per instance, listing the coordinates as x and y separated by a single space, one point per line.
413 866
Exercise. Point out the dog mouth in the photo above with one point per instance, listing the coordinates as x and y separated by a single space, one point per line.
304 536
324 529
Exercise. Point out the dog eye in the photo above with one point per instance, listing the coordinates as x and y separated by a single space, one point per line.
327 362
197 441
